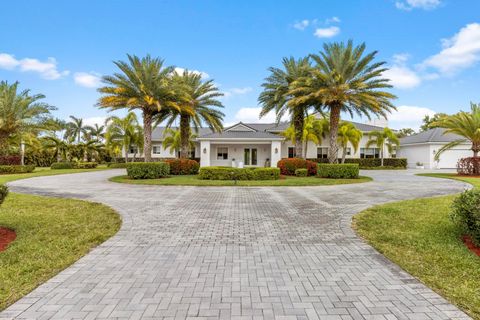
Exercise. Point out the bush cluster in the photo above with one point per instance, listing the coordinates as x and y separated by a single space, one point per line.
62 165
183 166
366 163
338 171
3 193
148 170
469 166
40 158
85 165
117 165
288 166
228 173
16 169
10 160
466 212
301 172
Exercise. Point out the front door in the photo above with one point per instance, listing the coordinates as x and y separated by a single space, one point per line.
250 156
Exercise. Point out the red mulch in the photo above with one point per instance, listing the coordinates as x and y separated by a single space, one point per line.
6 236
472 247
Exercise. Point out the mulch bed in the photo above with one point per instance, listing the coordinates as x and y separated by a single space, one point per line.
472 247
6 236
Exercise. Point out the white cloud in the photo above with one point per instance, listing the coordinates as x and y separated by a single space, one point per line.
89 80
401 76
332 20
91 121
327 32
301 25
204 75
236 91
46 69
459 52
408 117
417 4
252 115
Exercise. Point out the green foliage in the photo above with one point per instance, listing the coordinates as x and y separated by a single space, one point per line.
288 166
43 157
301 172
16 169
384 137
85 165
3 193
228 173
367 163
466 212
183 166
148 170
338 171
117 165
62 165
431 122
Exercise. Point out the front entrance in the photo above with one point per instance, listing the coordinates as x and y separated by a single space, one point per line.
250 156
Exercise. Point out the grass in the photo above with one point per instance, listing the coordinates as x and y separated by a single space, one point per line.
4 178
52 234
419 236
192 180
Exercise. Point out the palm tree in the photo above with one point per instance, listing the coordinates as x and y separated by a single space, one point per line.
173 140
314 130
143 84
380 139
348 133
96 132
344 80
60 147
198 103
76 129
20 112
464 124
123 130
277 95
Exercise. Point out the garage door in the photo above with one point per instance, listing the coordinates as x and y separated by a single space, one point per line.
449 159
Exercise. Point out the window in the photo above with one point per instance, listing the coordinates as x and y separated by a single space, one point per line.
292 153
192 153
222 153
349 151
250 156
322 152
156 150
133 149
369 153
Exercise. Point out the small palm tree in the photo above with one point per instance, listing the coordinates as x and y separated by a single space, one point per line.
96 132
277 96
173 140
464 124
344 79
123 131
76 129
380 139
314 130
59 146
348 134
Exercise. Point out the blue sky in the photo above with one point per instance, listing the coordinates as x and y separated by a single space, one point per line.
60 48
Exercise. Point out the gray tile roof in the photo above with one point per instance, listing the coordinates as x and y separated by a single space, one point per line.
242 135
432 135
157 133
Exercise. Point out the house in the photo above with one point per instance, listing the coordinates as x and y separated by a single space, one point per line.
257 145
422 147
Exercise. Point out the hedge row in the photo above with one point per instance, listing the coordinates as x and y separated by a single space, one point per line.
183 166
16 169
117 165
73 165
10 160
227 173
371 162
288 166
147 170
3 193
466 212
338 171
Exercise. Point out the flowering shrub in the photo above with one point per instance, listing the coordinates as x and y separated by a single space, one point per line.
10 160
469 166
183 166
290 165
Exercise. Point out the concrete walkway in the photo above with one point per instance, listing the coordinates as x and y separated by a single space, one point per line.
235 253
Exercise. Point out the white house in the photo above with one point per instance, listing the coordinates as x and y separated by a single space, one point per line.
422 147
257 145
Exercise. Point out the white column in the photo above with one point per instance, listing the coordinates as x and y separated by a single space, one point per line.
276 153
204 153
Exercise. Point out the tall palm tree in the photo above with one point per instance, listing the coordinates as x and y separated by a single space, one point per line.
96 131
380 139
314 130
348 134
277 95
198 106
464 124
76 129
20 112
142 84
172 140
124 131
344 79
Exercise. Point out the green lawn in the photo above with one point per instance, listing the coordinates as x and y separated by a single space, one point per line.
4 178
419 236
192 180
51 234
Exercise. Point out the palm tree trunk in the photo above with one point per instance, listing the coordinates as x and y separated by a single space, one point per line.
381 156
126 153
298 123
334 121
344 154
184 136
306 148
147 136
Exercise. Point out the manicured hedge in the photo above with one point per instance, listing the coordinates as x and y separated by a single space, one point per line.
147 170
10 160
117 165
86 165
338 171
3 193
288 166
62 165
301 172
466 211
366 163
228 173
16 169
183 166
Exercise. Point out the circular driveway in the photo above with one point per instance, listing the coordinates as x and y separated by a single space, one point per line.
234 253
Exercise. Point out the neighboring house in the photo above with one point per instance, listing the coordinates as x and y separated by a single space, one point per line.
256 144
422 147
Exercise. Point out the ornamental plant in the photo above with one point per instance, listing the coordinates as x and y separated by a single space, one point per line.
466 212
3 193
290 165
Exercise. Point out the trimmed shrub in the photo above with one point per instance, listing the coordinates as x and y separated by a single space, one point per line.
183 166
288 166
62 165
3 193
338 171
116 165
466 212
85 165
366 163
147 170
228 173
10 160
469 166
301 172
16 169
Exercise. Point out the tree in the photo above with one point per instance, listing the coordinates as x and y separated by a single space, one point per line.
344 79
123 131
173 140
314 130
277 96
76 128
405 132
20 113
380 139
198 106
464 124
59 146
142 84
348 133
96 131
430 122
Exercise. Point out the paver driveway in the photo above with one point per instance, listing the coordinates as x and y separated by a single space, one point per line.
225 252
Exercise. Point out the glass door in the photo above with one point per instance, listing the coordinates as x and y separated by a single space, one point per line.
250 156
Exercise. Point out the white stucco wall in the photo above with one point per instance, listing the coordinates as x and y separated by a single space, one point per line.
425 153
236 151
416 153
